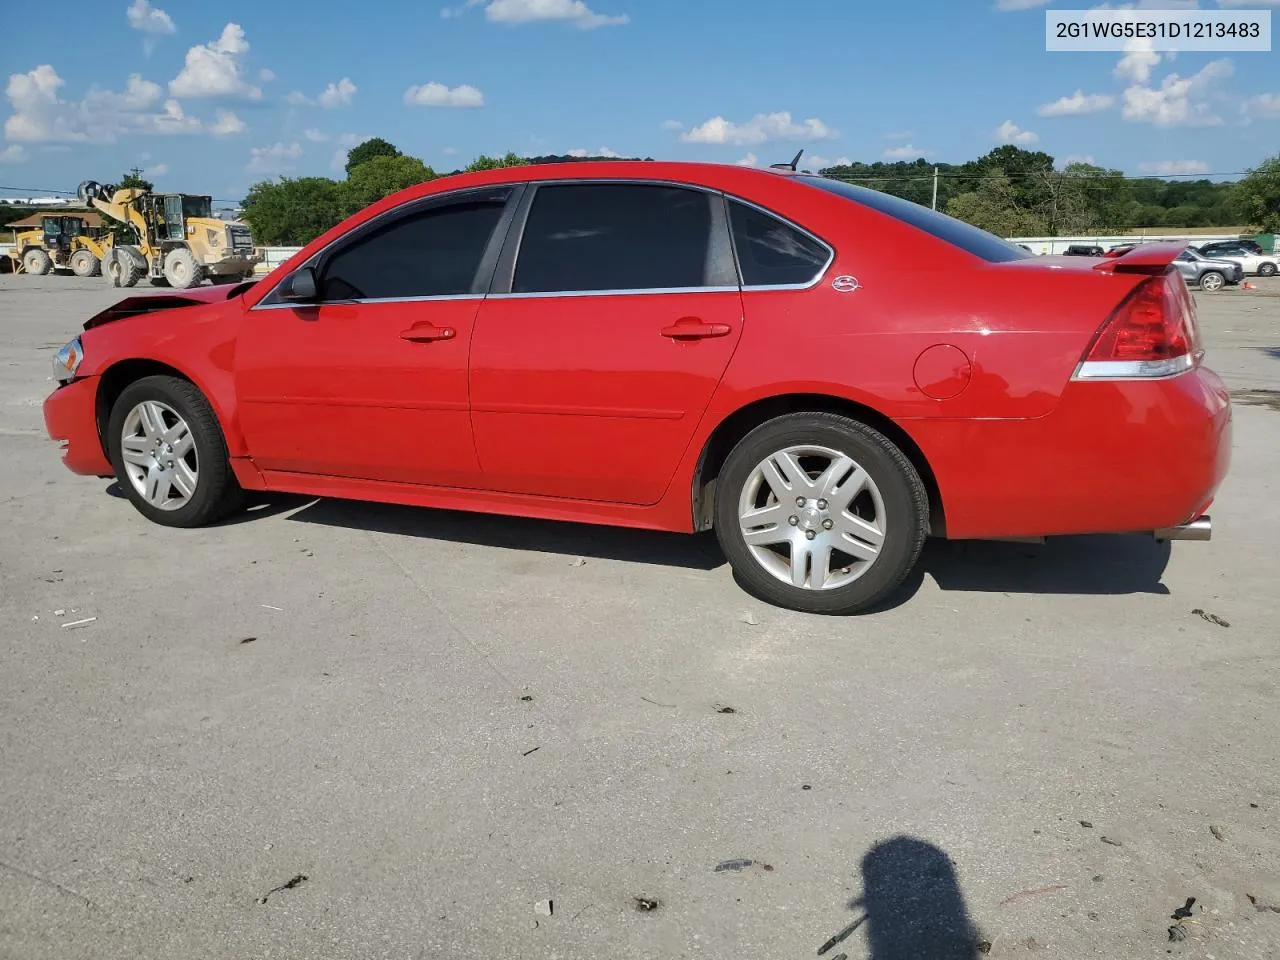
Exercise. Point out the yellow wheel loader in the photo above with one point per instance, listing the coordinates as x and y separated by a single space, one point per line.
179 241
62 242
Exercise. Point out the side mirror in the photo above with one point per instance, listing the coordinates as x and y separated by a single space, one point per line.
300 286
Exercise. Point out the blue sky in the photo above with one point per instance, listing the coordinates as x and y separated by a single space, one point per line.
213 97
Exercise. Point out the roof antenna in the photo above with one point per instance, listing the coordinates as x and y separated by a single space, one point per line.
792 166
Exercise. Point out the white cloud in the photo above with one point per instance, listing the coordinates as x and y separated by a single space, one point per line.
214 69
762 128
1179 101
298 98
275 158
1174 168
433 94
316 136
143 16
906 152
1263 105
1076 105
41 116
575 12
750 160
1138 61
813 161
227 124
1010 132
338 94
14 153
1071 158
671 125
602 152
265 75
159 170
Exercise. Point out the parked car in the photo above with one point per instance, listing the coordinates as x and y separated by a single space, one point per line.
1119 250
1209 275
1246 253
1084 250
1231 248
671 346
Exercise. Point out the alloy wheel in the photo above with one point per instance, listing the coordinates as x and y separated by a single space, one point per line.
159 453
812 517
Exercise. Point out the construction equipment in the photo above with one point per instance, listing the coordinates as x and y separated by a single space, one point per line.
179 240
61 242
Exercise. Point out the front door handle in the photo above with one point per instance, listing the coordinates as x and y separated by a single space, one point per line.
426 332
692 328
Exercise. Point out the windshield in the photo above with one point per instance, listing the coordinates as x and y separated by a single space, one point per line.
967 237
197 207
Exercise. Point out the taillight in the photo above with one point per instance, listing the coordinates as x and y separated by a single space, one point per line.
1152 333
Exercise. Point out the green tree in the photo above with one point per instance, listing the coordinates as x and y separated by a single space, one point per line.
994 206
293 212
134 180
485 162
380 177
364 152
1257 196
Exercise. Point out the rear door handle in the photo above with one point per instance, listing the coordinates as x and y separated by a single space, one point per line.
426 332
691 328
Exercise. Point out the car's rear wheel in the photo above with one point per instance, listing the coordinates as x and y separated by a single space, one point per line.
1267 270
820 513
169 453
1212 281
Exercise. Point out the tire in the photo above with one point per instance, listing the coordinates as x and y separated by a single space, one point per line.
182 270
1267 270
1211 281
85 264
214 493
123 267
159 282
36 262
895 503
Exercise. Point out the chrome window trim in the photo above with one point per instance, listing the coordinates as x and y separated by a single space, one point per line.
831 251
403 210
366 300
644 291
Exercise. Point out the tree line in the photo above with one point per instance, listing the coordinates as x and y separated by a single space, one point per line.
1009 191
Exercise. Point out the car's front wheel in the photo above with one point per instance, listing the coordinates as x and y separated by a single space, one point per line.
1267 270
820 513
1212 281
169 454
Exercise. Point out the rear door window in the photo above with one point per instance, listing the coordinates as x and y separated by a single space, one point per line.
597 237
773 253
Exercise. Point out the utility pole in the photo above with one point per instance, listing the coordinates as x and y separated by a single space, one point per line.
935 188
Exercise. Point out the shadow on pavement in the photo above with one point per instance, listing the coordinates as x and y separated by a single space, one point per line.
1101 565
258 505
911 906
700 552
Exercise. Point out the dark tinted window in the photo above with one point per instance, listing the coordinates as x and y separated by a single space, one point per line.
955 232
773 253
614 237
434 253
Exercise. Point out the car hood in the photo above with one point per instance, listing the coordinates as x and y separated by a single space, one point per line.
152 303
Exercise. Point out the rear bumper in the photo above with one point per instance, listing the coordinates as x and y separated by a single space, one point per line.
70 417
1113 457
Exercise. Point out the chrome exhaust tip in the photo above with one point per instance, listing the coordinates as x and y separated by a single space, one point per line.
1201 528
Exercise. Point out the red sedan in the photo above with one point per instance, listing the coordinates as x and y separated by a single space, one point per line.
822 373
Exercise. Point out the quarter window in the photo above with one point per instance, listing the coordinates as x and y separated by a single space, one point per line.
433 253
773 253
593 237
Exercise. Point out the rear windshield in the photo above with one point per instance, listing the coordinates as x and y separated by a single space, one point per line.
968 238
